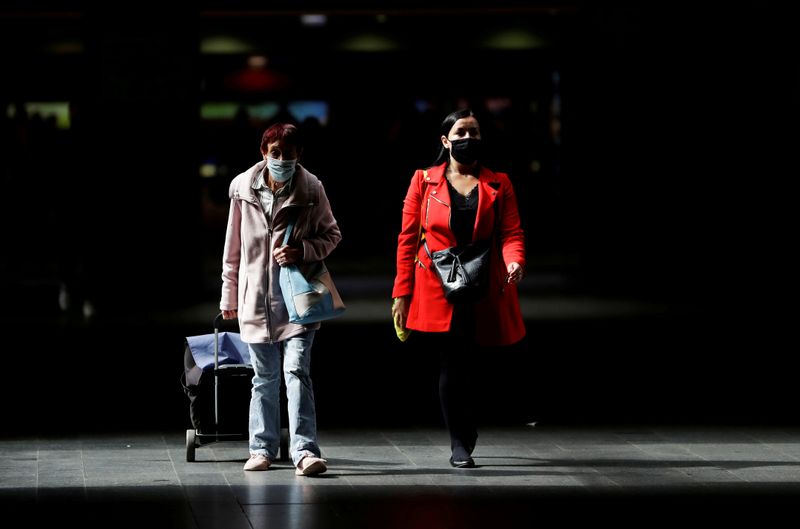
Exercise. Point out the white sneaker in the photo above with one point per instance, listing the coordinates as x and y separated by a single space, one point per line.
257 462
311 466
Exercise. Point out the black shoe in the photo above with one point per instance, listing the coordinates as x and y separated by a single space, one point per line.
458 463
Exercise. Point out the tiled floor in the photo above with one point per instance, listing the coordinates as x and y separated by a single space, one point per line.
401 478
385 478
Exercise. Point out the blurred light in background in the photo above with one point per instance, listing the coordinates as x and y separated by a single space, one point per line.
263 111
369 42
208 170
225 44
218 110
497 105
422 105
258 79
257 61
513 39
64 47
58 110
313 20
301 110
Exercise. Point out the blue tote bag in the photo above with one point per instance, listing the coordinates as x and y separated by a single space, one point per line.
308 290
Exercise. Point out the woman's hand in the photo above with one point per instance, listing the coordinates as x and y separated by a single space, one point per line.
229 314
400 311
286 255
515 273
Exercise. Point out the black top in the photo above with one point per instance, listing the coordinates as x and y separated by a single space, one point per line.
463 210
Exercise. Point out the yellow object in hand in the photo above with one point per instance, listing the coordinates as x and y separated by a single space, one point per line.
402 333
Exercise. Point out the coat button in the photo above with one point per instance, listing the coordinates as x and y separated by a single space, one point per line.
433 192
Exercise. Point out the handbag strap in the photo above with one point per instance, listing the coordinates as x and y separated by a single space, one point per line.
289 227
491 239
288 232
419 230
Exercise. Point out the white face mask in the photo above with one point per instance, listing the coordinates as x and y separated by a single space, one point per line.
281 170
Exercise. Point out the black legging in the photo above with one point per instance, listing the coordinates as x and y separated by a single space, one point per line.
456 382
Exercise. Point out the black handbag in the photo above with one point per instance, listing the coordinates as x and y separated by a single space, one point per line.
463 271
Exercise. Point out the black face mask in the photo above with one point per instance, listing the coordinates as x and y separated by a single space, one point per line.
466 150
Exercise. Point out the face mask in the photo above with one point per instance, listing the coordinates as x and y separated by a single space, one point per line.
281 170
466 150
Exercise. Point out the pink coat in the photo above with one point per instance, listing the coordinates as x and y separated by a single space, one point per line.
498 317
249 272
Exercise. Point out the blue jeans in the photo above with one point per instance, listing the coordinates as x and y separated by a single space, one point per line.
265 413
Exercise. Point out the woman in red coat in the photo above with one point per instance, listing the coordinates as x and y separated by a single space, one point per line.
454 202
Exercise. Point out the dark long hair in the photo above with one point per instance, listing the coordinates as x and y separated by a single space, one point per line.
444 130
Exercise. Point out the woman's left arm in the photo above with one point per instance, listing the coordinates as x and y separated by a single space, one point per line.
324 234
512 238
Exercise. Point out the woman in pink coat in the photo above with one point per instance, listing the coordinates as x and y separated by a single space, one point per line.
454 202
263 201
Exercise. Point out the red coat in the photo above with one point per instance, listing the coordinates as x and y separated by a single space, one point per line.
498 318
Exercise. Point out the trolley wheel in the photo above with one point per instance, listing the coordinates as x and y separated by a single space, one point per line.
190 445
284 448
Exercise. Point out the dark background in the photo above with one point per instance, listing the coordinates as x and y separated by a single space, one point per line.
651 148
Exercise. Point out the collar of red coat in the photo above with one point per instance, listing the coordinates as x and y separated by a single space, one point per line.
487 179
489 183
486 176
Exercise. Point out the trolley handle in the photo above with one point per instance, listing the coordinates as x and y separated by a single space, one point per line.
217 320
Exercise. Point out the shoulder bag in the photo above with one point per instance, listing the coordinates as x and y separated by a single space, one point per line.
464 270
309 294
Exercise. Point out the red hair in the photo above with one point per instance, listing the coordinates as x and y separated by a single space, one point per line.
284 132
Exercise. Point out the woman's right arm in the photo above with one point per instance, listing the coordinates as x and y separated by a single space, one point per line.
408 240
231 257
400 311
